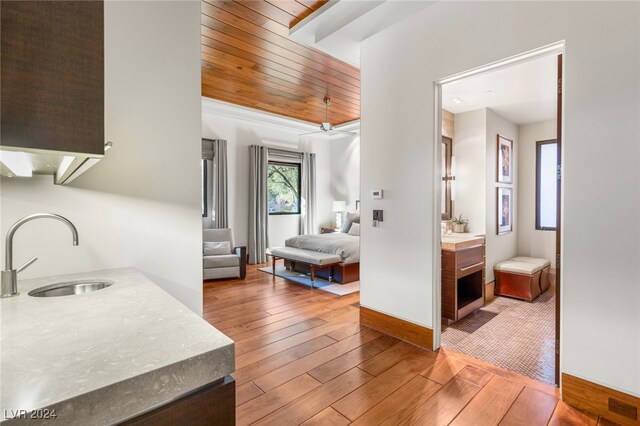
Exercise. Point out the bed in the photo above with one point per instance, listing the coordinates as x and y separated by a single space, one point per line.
339 243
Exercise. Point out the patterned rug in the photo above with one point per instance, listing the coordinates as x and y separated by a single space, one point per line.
319 283
510 333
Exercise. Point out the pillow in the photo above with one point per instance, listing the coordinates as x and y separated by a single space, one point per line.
216 248
351 218
355 217
355 229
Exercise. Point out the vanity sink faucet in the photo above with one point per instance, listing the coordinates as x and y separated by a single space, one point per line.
10 275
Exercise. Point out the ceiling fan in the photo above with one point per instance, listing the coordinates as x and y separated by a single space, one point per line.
326 127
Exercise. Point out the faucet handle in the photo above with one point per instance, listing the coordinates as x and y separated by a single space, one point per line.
26 265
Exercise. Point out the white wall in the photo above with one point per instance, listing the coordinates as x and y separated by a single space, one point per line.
345 170
602 103
470 149
240 134
532 242
140 205
474 146
505 246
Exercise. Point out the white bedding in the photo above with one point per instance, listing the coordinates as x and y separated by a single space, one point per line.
344 245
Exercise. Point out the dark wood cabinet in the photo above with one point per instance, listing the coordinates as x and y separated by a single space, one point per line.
213 404
463 276
52 76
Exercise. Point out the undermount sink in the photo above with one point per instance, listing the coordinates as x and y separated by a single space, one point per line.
70 287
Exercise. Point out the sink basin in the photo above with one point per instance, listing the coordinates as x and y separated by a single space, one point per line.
70 287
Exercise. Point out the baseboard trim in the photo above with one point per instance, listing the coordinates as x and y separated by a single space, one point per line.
404 330
489 291
600 400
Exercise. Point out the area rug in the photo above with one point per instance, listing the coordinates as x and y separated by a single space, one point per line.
319 283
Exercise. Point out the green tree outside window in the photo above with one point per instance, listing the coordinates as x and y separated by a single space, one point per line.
283 188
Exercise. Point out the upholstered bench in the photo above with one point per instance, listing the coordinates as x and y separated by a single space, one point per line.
522 277
314 259
542 263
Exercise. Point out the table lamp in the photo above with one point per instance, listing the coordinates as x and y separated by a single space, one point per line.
339 207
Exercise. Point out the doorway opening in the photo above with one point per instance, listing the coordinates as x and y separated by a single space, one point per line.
499 195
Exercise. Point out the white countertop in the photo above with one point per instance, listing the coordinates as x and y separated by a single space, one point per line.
458 240
107 355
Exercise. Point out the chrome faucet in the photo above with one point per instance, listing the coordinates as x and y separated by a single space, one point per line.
10 275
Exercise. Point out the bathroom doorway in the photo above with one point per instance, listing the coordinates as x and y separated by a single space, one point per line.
500 209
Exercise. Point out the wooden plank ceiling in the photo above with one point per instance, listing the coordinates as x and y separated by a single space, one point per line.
248 60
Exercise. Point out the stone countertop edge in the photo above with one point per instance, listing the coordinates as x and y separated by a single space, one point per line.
122 401
148 374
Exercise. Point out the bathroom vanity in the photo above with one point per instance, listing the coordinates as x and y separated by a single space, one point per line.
463 275
124 351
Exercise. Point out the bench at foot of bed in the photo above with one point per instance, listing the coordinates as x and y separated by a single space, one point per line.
312 259
340 273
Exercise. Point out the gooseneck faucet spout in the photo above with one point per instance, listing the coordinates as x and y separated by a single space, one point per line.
10 275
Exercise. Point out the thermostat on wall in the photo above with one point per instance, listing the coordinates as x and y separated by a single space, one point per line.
376 193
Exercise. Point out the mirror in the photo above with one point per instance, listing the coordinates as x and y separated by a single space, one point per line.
445 205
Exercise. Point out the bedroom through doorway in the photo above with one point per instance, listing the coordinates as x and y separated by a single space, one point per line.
280 205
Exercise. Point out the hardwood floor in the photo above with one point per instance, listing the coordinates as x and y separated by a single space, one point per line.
303 358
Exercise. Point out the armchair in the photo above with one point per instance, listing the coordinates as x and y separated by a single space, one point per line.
225 265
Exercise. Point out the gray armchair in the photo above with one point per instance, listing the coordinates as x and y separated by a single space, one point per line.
224 265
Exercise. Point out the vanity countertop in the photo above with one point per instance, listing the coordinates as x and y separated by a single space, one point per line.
104 356
458 241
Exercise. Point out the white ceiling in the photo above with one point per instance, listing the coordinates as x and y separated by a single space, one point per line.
522 93
338 27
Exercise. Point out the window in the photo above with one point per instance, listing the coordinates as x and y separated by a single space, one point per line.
283 188
203 171
546 185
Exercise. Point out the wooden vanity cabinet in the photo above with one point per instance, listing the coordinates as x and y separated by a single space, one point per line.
463 276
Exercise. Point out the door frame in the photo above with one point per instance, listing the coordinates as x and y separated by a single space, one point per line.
559 142
554 48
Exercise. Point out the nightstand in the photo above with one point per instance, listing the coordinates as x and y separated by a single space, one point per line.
325 230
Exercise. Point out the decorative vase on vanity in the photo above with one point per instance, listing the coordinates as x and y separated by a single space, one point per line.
458 228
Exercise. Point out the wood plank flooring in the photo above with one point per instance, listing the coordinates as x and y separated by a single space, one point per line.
303 358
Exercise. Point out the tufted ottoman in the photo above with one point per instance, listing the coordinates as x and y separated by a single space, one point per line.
522 277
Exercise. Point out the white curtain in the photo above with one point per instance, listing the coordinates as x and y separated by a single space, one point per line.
308 194
219 184
258 211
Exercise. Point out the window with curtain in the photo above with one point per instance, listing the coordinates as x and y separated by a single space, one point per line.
283 188
546 185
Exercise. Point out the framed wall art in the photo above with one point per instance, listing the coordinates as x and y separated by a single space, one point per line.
505 210
505 160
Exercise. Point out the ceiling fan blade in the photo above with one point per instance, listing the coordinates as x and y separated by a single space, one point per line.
311 133
342 132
